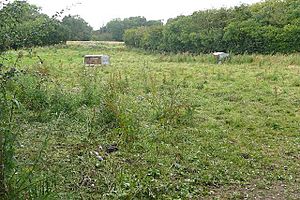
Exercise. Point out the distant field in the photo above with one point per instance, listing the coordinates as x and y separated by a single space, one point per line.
88 43
166 126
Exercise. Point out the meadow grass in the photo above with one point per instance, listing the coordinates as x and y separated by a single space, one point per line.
184 127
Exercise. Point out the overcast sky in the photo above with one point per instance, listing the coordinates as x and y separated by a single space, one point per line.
98 12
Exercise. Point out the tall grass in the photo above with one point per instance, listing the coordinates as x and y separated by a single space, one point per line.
290 59
183 125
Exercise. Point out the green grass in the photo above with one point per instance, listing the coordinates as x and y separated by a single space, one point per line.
185 127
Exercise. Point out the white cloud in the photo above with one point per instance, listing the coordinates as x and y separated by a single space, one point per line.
99 12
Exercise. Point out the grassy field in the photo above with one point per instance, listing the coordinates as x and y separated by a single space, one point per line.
159 126
94 43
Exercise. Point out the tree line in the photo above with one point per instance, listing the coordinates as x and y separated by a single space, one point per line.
23 25
115 29
266 27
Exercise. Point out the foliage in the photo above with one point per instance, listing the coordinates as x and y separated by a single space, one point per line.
17 180
267 27
77 28
22 25
117 27
101 36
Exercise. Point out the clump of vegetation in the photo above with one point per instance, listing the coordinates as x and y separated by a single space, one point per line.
77 29
114 30
18 180
23 25
266 27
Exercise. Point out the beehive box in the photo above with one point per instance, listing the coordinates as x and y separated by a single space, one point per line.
92 60
221 56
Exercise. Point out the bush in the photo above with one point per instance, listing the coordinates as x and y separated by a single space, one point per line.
22 25
243 29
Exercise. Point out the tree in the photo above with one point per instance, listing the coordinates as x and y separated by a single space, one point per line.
267 27
22 25
117 27
77 28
